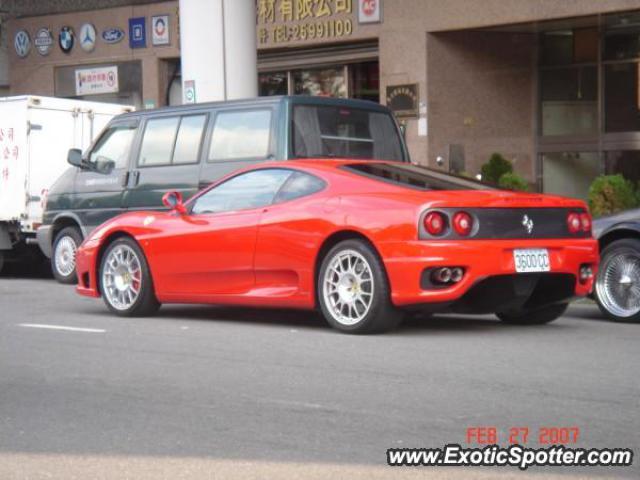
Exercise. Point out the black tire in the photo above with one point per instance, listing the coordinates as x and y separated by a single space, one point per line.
624 247
146 303
1 261
71 234
381 316
536 316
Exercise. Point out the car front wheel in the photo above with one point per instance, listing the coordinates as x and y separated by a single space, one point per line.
63 259
125 280
618 282
353 290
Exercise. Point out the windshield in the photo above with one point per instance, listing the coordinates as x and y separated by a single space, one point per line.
413 176
336 131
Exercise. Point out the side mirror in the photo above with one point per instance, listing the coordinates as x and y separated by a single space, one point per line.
74 157
173 200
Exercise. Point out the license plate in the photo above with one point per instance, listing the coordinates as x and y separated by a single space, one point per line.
531 260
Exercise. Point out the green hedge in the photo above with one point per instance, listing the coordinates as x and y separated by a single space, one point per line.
610 194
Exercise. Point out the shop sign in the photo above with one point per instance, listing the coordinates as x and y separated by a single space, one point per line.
369 11
160 30
87 37
137 33
93 81
403 99
112 35
189 91
22 43
284 21
43 41
66 38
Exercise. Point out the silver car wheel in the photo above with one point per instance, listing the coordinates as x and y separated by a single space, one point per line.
618 285
121 277
348 287
65 256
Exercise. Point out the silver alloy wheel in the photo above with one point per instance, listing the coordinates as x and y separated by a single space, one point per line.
618 285
65 256
122 277
348 287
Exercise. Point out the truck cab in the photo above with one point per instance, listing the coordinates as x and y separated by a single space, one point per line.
141 155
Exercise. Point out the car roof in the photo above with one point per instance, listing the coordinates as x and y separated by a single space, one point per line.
262 101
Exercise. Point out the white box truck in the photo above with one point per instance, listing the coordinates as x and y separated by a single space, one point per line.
35 135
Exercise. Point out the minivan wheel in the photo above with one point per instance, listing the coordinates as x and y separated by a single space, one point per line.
353 290
125 280
63 258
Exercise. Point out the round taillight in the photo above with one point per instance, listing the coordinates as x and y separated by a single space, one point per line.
585 220
462 223
574 223
435 223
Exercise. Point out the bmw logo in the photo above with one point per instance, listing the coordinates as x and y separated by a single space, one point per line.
22 43
66 39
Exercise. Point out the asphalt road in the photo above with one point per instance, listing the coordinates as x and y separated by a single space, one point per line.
201 392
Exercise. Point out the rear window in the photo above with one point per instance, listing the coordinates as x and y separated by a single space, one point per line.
327 131
412 176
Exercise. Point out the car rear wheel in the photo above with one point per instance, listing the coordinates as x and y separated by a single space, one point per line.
63 259
618 282
537 316
353 290
125 280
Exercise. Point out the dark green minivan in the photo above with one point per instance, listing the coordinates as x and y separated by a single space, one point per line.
141 155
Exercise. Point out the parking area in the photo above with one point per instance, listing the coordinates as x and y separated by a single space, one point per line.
281 389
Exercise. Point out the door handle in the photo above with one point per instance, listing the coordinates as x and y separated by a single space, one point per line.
125 179
136 177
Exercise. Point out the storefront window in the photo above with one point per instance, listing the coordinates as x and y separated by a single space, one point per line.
570 173
622 97
566 47
365 81
622 36
625 162
323 82
273 83
569 100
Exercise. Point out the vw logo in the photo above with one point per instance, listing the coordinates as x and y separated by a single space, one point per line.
527 223
87 37
22 43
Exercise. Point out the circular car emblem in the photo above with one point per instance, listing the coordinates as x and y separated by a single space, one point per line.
66 39
87 37
22 43
113 35
43 41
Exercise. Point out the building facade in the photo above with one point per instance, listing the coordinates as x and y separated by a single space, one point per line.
552 86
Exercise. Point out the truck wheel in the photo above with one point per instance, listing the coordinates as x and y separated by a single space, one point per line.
63 259
617 288
353 290
536 316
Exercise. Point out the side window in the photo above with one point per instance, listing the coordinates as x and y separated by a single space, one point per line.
299 185
114 145
253 189
240 134
189 137
157 142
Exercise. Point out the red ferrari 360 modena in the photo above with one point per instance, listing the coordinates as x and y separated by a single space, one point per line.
363 241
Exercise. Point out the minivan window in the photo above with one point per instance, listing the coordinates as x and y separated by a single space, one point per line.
253 189
114 145
415 177
336 131
241 134
188 140
157 142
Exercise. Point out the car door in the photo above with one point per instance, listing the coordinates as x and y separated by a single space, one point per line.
167 159
210 250
98 195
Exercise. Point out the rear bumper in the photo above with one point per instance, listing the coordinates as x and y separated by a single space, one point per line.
484 261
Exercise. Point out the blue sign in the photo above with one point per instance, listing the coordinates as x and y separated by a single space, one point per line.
137 33
112 35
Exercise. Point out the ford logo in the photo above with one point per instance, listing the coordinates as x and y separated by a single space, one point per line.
112 35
